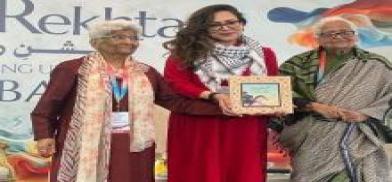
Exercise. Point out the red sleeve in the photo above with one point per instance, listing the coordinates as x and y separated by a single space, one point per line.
45 115
181 79
270 61
165 97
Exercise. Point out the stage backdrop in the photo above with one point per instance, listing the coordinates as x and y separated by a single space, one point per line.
36 35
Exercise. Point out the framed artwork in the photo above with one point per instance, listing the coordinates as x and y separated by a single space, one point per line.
261 94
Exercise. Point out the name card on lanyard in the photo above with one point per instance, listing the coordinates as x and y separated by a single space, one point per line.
120 120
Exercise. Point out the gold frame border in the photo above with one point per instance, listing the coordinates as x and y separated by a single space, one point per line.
284 88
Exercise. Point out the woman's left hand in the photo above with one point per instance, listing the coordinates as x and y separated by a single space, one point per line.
352 116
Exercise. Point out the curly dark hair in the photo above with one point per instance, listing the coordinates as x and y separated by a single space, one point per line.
192 41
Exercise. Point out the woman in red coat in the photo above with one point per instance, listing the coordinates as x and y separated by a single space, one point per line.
209 49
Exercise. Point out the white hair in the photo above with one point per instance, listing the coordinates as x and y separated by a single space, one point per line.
105 28
318 27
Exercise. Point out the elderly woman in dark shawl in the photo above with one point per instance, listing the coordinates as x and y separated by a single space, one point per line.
342 94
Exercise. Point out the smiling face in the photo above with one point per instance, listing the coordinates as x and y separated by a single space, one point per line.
119 43
225 28
337 35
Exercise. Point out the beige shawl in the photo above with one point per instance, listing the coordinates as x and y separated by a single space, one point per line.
86 153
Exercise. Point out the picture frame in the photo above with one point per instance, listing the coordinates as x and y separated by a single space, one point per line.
261 94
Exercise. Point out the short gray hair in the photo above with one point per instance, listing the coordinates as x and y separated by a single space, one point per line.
319 25
105 28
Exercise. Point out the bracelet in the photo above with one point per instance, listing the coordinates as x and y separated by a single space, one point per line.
211 96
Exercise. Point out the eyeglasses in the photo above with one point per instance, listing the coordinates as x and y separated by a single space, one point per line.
233 24
344 34
123 37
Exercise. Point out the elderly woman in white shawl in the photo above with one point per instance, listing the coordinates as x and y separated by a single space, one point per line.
96 115
342 94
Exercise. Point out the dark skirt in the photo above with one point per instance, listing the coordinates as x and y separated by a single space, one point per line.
126 166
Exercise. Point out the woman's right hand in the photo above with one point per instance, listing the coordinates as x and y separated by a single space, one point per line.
352 116
225 104
46 147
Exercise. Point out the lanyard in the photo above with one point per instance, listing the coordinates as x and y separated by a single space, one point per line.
118 91
321 70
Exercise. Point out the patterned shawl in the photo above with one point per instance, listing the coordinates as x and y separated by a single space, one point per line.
225 61
363 83
86 153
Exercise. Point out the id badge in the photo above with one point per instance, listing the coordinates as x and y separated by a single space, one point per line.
120 121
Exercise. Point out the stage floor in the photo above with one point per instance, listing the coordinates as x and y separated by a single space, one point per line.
271 178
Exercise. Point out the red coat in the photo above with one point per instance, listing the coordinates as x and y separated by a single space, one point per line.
214 148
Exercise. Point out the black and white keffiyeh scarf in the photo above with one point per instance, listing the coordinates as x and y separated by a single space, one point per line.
224 61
